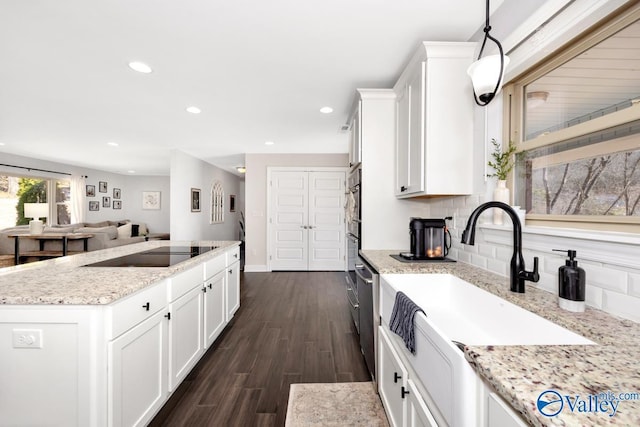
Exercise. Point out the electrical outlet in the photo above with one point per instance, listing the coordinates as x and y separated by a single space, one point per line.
27 338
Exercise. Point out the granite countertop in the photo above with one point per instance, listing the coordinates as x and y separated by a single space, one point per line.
65 280
521 373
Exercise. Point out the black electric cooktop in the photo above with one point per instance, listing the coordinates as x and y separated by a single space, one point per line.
164 256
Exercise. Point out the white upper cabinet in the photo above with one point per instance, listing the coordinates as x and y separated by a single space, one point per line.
434 122
355 137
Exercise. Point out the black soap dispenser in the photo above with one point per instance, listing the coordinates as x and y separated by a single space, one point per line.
571 283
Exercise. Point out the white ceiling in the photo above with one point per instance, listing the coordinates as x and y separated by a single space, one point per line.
258 70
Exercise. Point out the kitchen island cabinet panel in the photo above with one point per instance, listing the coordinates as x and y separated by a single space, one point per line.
47 370
233 290
137 378
185 334
214 308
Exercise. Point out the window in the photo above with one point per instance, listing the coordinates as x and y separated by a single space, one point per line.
576 119
17 190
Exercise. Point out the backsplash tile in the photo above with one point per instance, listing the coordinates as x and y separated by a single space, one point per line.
622 305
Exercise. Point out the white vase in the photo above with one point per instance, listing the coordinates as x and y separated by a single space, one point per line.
500 194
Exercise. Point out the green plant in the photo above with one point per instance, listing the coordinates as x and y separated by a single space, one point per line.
502 161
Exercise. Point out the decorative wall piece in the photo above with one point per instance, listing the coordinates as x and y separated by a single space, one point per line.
195 200
117 204
91 191
116 193
102 186
217 203
151 200
106 202
94 205
232 203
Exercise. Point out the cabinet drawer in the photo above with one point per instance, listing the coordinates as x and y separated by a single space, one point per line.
127 313
183 282
233 255
215 266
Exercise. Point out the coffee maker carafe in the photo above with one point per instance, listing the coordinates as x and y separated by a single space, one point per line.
430 238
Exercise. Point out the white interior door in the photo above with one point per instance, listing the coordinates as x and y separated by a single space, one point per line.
307 220
289 217
326 221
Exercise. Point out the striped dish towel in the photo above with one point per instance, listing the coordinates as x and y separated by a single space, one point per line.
404 311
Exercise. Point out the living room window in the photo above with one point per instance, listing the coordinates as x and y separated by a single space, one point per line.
576 120
17 190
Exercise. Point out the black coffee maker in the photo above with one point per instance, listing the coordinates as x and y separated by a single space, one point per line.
430 238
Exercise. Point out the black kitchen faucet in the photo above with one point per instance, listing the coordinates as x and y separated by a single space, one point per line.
517 271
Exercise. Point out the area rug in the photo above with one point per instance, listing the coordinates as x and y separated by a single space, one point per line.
335 404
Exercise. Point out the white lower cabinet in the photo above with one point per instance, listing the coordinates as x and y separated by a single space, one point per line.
391 381
137 378
185 334
233 289
400 396
500 414
418 414
214 308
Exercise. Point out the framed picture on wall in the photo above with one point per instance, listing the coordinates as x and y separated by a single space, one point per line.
117 204
151 200
195 200
102 186
91 191
106 202
232 203
116 193
94 205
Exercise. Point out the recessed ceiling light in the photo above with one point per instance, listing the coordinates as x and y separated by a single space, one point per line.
113 144
268 143
193 110
131 171
241 169
326 110
140 67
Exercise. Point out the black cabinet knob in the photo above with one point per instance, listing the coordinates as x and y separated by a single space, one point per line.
146 306
403 189
396 377
168 316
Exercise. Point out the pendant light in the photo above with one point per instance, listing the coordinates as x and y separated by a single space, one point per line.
487 73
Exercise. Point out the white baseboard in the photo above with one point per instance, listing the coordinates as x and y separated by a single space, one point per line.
255 268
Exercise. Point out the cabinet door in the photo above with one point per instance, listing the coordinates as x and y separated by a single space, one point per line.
185 334
233 289
402 141
214 307
418 414
137 372
355 147
391 381
415 89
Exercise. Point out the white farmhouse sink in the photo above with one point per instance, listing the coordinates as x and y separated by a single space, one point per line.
459 311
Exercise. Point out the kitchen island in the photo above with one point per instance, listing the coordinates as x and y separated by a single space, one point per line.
519 374
103 345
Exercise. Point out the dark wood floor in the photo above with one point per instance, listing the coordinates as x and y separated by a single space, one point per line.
292 327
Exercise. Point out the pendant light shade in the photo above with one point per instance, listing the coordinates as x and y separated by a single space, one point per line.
487 73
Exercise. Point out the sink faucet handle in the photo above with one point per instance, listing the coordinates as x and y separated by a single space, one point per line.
534 274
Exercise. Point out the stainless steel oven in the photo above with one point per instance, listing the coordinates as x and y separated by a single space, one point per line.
353 242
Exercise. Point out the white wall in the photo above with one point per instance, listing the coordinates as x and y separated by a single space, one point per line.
188 172
157 221
256 197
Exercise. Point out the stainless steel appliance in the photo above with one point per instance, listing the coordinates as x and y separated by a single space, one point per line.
366 283
353 242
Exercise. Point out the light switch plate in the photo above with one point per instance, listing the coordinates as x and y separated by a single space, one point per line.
27 338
